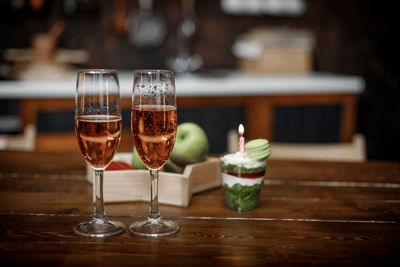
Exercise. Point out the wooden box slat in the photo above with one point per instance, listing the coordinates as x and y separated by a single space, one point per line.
173 188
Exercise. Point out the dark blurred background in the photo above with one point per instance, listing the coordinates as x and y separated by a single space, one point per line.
355 37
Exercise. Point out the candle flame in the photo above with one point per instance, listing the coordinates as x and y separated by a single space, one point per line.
241 129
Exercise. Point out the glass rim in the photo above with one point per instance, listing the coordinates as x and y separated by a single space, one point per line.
149 71
221 157
97 71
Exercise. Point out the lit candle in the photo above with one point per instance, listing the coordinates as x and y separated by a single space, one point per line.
241 140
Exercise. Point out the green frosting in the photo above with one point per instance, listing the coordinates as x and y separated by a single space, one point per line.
242 197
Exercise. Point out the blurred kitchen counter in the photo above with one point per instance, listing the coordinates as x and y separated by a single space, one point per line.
210 83
258 94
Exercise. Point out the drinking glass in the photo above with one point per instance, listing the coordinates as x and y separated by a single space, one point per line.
98 129
153 125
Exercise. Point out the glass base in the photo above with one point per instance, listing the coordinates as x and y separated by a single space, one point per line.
99 228
154 227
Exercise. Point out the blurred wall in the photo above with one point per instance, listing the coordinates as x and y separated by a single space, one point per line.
352 37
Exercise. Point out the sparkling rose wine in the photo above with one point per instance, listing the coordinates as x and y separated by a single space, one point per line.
154 131
98 138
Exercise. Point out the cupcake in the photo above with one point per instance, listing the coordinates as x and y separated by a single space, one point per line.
243 176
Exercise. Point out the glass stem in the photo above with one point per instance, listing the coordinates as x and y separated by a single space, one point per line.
99 213
154 213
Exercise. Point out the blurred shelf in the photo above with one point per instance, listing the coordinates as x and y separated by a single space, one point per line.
212 83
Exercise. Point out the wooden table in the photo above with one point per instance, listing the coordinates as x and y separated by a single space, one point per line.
310 213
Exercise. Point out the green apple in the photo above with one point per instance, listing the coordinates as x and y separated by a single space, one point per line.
171 166
191 144
137 163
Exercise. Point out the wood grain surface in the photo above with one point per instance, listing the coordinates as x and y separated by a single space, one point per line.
310 213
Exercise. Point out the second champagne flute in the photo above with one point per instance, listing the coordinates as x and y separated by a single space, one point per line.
154 123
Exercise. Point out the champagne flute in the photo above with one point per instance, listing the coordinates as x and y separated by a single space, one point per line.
153 125
98 129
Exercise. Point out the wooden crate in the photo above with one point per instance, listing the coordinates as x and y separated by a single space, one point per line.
174 189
